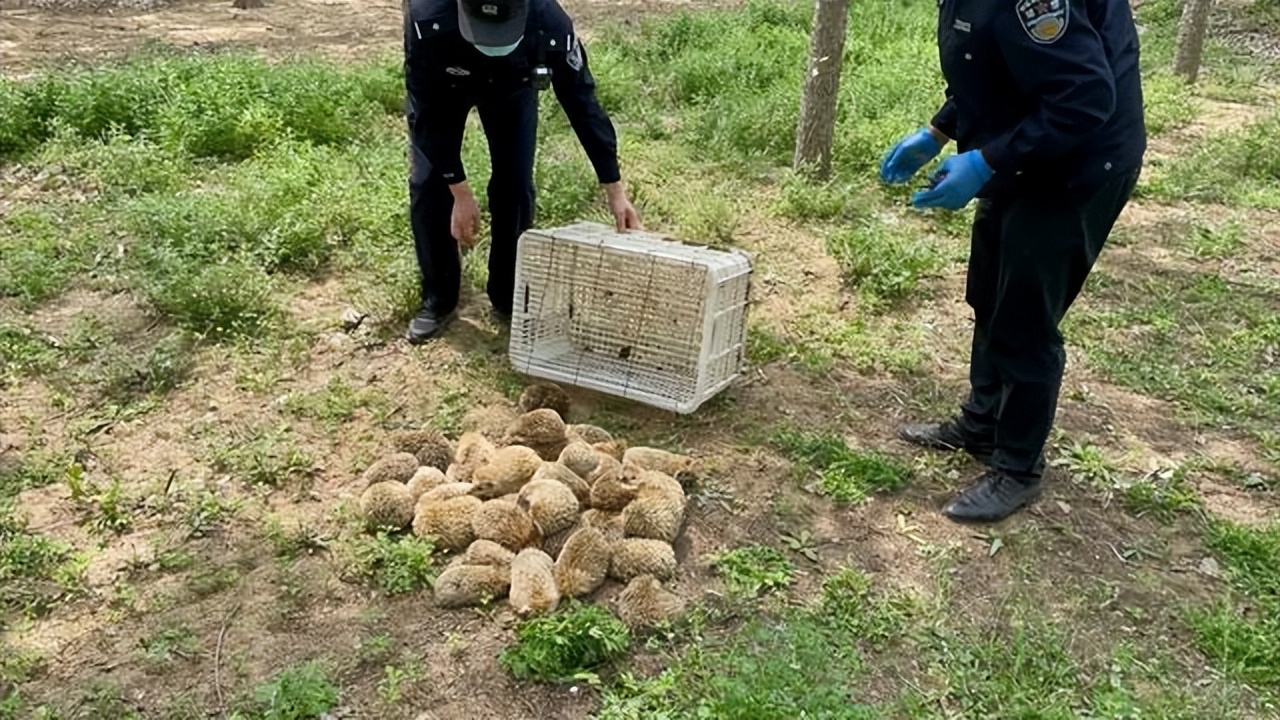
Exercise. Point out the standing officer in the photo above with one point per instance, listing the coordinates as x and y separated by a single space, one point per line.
495 56
1045 103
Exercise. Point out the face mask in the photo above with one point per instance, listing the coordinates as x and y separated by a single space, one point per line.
498 51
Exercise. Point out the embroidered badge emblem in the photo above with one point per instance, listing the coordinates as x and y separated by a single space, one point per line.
1044 20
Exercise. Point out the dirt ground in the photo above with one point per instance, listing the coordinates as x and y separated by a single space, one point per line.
272 616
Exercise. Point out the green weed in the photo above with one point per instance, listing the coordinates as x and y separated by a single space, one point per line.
755 569
206 512
883 263
267 457
572 643
1235 167
844 474
851 602
110 513
335 403
36 571
393 564
394 677
178 641
302 692
1162 495
35 468
1244 643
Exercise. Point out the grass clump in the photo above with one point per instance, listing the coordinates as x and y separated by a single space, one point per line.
267 457
303 692
755 569
1241 633
35 571
883 263
572 643
1236 167
844 474
393 564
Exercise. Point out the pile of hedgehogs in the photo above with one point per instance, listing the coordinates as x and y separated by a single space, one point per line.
549 511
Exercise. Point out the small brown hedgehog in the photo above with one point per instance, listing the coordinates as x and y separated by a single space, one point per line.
430 447
589 434
447 491
542 430
662 461
610 491
487 552
606 467
474 452
552 544
505 523
656 512
560 473
533 583
580 457
615 449
642 556
547 396
397 467
463 585
448 521
583 563
427 478
645 603
387 505
609 523
509 470
550 503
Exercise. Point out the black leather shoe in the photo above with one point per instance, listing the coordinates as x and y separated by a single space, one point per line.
946 436
995 496
425 325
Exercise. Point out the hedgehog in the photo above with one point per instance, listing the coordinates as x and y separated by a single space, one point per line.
583 563
609 523
474 451
609 491
645 603
533 584
615 449
580 457
662 461
542 430
430 447
463 585
642 556
589 434
505 523
397 467
387 504
427 478
548 396
550 503
657 510
447 491
487 552
558 472
509 470
447 520
553 543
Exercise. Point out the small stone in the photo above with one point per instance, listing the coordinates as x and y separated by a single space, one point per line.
351 318
1209 567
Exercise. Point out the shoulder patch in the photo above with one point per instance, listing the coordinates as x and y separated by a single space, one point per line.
1044 20
574 58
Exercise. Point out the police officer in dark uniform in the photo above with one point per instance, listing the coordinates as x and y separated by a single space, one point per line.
1044 101
495 56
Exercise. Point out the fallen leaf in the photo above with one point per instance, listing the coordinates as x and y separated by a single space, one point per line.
995 547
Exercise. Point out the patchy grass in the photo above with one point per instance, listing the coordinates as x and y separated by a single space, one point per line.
844 474
572 643
394 564
1234 167
36 571
298 693
755 569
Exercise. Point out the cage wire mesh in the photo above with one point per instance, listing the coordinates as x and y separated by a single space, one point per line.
635 315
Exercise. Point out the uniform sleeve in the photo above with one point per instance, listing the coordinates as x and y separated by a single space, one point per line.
1068 76
435 125
945 119
575 89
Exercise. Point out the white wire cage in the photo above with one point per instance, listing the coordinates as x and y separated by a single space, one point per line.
636 315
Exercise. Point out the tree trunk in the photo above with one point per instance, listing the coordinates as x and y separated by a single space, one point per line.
1191 29
817 125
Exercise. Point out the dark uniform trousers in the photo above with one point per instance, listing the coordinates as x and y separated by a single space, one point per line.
1030 255
511 126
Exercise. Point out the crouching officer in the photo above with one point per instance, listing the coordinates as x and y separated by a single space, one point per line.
495 56
1044 101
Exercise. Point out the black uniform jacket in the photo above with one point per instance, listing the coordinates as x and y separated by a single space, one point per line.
1050 90
446 76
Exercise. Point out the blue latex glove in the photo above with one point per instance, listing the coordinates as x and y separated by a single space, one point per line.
956 182
908 156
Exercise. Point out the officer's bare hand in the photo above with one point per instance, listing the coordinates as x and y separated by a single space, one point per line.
465 222
624 213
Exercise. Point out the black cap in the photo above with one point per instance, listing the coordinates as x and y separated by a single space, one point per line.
492 23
